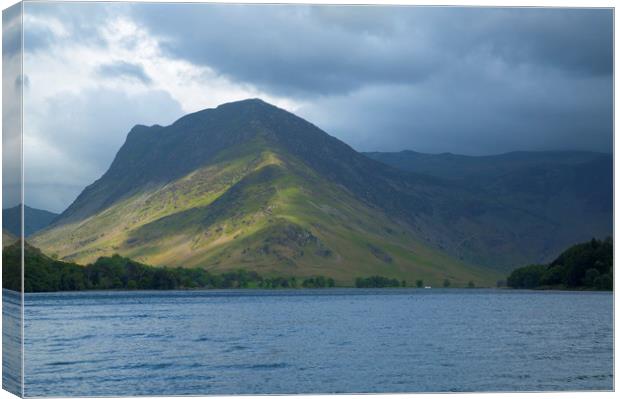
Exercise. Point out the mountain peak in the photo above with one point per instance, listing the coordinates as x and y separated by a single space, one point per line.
252 106
239 110
245 102
156 155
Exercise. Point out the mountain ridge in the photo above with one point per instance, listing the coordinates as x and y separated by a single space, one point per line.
465 165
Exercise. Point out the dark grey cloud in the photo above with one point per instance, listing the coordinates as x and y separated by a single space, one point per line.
557 115
122 69
322 50
292 50
466 80
577 40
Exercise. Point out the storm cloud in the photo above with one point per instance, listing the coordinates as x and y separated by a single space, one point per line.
333 49
464 80
381 78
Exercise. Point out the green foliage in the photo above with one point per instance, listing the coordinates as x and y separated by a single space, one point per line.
446 283
44 274
41 273
604 282
471 284
376 282
318 282
527 276
591 277
586 265
419 283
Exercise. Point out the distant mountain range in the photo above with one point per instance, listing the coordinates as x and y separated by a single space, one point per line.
34 220
249 185
464 168
568 194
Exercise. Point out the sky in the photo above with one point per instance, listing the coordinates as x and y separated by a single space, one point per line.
471 81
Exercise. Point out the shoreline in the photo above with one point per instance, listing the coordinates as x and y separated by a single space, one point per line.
326 289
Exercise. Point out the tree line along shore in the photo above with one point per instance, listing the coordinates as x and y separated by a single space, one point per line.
587 265
46 274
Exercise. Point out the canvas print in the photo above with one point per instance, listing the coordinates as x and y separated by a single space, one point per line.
226 199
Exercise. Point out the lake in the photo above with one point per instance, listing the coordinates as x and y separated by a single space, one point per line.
316 341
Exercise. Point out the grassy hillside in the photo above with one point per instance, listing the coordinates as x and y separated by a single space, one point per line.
258 208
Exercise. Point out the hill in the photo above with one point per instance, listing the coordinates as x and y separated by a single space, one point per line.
251 185
34 220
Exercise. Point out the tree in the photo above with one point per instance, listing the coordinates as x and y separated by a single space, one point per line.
446 283
590 278
526 277
588 264
604 282
554 275
376 282
419 283
471 285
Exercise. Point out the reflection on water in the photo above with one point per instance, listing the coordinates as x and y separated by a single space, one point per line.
306 341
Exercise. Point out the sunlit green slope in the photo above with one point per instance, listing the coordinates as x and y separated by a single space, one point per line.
259 208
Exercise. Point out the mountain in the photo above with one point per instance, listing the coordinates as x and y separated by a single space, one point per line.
571 192
34 220
251 185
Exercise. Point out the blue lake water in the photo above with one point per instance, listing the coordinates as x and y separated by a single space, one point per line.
316 341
